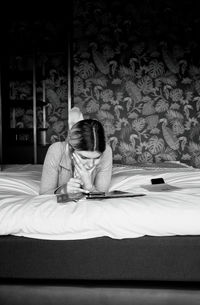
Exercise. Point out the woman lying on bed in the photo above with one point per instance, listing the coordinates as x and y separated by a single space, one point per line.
82 163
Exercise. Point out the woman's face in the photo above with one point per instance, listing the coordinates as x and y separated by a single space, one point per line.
88 158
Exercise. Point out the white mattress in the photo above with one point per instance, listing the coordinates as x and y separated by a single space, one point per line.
25 213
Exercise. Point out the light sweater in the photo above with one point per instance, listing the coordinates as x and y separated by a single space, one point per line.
57 169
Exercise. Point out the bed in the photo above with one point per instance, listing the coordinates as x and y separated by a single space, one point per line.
141 250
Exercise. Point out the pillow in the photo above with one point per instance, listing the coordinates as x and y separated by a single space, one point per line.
165 164
75 115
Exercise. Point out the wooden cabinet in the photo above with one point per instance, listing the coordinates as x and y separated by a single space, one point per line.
25 110
36 92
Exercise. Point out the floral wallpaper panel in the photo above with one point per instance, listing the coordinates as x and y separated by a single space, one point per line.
140 77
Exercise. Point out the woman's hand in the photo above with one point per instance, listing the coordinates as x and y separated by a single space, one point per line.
84 174
73 186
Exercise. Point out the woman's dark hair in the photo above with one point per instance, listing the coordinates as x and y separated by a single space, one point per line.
87 135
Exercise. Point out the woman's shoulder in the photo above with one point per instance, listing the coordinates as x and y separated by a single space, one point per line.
106 159
57 148
107 154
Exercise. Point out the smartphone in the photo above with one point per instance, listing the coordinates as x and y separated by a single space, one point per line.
157 181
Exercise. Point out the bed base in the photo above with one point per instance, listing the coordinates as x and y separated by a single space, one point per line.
98 293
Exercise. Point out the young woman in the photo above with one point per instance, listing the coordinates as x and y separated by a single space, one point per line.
83 163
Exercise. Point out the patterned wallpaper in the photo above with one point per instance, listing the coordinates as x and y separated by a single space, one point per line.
56 96
137 70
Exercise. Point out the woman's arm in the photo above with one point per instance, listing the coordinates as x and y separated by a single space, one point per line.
104 171
73 186
50 174
49 179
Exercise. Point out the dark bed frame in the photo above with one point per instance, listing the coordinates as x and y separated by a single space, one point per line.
146 270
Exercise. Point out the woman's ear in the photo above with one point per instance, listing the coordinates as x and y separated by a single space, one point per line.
75 115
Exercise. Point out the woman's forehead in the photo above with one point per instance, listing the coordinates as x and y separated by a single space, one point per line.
88 154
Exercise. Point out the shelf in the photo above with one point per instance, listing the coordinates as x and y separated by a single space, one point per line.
21 130
26 103
26 130
21 76
25 136
22 153
25 76
48 49
21 103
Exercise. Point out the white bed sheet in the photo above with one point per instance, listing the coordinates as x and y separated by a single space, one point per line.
24 213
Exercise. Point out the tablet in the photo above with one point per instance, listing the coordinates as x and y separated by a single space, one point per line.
64 198
113 194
